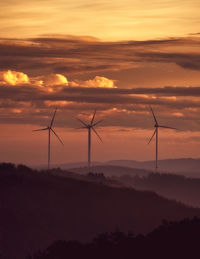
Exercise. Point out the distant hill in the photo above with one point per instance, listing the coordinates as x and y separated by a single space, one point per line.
176 187
172 186
112 170
38 208
186 166
125 163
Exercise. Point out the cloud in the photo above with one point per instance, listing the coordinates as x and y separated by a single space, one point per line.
13 77
185 60
31 104
51 82
98 81
59 54
55 79
78 75
58 103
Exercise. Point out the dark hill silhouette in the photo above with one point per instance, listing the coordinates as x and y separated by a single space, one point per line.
170 240
38 208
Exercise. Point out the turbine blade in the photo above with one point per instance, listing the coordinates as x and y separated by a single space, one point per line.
152 136
97 134
92 120
82 122
165 127
154 115
96 123
57 136
41 129
53 118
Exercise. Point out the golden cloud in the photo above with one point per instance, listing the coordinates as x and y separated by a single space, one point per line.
178 114
16 110
13 77
53 82
98 81
57 103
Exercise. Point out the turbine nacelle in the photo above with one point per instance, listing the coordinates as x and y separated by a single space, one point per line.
91 125
156 125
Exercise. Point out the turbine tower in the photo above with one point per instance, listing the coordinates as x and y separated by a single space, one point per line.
156 126
50 129
90 127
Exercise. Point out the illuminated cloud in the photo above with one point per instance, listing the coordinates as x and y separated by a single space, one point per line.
13 78
16 110
55 80
57 103
98 81
52 82
178 114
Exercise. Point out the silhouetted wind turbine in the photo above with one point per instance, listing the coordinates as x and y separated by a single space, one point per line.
49 128
90 127
156 126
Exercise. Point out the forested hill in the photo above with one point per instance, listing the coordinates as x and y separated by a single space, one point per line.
38 208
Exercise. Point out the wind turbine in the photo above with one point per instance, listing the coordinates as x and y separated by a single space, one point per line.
156 126
50 129
90 127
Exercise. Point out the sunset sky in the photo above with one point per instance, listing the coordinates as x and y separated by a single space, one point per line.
118 57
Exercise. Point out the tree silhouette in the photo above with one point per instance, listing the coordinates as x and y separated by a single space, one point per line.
172 239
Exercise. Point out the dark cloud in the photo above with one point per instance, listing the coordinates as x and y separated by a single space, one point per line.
76 55
184 60
105 95
164 91
118 107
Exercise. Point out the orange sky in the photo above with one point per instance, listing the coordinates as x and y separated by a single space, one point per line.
106 19
118 58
